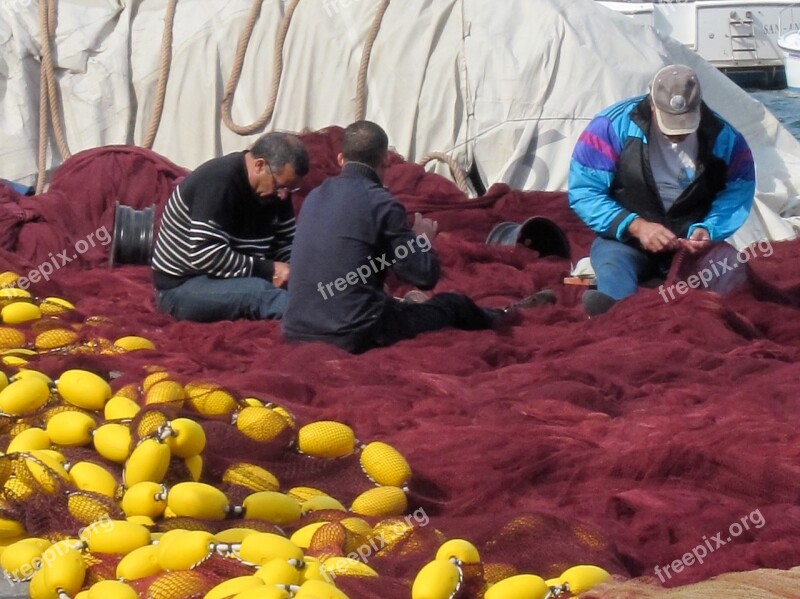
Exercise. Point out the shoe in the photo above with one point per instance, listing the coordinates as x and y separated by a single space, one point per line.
415 296
596 302
545 297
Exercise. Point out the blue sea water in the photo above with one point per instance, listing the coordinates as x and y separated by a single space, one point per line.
784 104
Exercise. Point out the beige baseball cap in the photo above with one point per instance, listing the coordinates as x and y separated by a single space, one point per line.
676 96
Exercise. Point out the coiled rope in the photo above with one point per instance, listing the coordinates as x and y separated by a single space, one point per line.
458 172
165 63
49 99
48 92
366 56
236 72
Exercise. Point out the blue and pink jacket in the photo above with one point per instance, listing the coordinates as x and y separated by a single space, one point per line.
611 181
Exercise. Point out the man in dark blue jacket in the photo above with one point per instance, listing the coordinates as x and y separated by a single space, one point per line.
351 230
653 174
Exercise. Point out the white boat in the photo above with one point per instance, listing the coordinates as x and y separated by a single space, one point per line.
789 43
739 37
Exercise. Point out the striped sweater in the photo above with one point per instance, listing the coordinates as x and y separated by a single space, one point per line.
214 224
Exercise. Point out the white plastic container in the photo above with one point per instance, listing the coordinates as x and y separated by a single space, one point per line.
789 43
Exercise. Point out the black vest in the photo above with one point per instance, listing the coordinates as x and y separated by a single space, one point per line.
635 189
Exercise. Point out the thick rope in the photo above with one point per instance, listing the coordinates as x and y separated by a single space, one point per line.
48 93
459 174
163 76
52 90
43 123
236 72
366 55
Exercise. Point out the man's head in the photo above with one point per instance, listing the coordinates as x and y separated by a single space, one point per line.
676 98
367 143
275 163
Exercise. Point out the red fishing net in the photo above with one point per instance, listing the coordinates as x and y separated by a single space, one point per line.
621 441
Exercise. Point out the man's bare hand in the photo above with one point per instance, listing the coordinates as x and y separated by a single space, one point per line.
698 241
281 274
425 226
653 236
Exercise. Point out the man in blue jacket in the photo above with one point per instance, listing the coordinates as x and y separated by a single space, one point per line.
351 230
653 174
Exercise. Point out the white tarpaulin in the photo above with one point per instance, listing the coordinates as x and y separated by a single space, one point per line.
508 85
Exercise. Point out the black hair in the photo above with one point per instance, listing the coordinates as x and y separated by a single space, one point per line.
280 149
365 142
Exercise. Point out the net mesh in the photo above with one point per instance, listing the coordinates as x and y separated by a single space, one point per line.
619 441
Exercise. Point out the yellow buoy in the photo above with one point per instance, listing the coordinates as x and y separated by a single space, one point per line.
384 465
584 578
326 439
149 461
437 580
24 396
187 439
184 551
260 424
83 389
55 339
251 476
462 550
197 500
120 408
19 312
112 589
272 506
210 399
11 338
71 428
53 306
380 502
133 343
139 563
146 498
113 441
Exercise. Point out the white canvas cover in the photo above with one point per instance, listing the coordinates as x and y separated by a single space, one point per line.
507 84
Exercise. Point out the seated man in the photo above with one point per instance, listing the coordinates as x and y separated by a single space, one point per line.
224 242
350 231
653 174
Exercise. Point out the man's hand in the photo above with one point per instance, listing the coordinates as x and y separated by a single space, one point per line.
281 276
697 242
424 226
653 236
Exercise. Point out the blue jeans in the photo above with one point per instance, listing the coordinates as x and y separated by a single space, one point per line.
203 299
619 267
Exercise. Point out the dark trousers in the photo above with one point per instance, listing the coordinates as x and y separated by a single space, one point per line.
402 320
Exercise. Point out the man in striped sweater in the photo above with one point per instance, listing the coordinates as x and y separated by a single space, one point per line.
223 246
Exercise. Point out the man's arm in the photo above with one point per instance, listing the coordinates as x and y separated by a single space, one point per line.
732 205
284 232
592 171
412 257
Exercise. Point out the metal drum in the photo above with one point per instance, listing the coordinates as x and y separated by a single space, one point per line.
536 233
132 242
